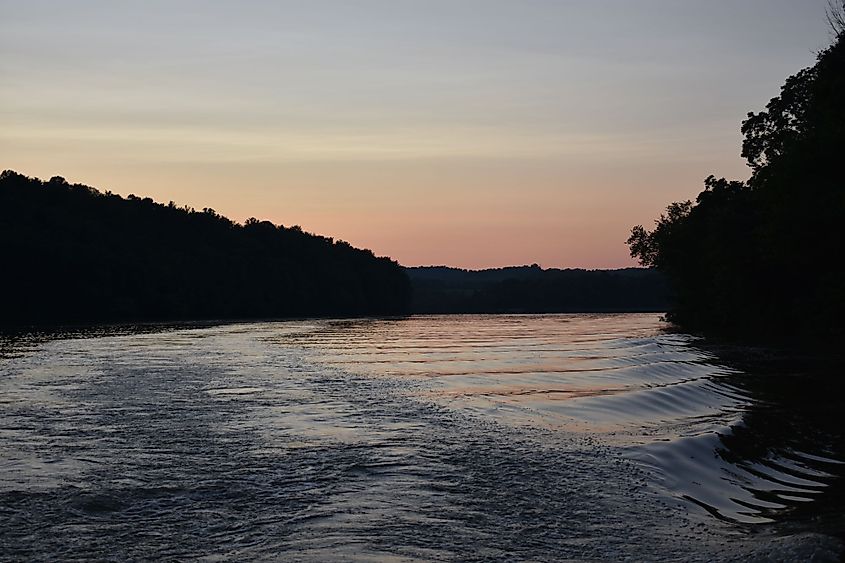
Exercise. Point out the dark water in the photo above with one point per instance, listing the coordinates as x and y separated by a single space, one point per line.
587 437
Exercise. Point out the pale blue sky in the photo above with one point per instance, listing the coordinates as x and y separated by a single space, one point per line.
471 133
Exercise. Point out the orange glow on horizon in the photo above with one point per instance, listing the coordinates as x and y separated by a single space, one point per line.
433 133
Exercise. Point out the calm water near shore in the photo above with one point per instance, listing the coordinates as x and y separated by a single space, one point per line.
547 437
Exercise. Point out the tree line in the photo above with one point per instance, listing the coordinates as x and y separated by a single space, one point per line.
532 289
74 254
759 259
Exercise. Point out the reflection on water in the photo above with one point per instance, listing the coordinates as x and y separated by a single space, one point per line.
737 444
544 437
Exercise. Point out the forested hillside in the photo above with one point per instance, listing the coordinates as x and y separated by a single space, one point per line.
759 259
531 289
74 254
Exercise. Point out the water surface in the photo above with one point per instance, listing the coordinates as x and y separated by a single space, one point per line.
427 438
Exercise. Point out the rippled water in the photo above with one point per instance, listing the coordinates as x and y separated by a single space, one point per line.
429 438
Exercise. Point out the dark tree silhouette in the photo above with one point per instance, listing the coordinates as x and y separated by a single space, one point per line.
531 289
759 259
73 254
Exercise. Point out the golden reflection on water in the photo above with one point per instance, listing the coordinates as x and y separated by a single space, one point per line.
553 370
516 393
623 379
382 390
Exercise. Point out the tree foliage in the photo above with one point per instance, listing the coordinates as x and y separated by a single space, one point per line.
759 259
531 289
73 254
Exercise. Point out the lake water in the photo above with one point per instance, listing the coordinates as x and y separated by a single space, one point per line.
554 437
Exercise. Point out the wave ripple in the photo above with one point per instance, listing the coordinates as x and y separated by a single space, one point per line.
555 437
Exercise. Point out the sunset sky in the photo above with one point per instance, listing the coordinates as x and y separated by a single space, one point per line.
467 133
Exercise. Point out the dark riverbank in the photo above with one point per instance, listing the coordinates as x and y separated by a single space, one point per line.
532 289
78 255
755 260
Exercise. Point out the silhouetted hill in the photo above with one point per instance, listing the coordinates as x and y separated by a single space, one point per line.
531 289
73 254
757 260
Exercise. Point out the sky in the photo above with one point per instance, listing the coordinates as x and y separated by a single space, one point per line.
469 133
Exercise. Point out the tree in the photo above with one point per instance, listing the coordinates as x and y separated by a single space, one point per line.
77 255
755 259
